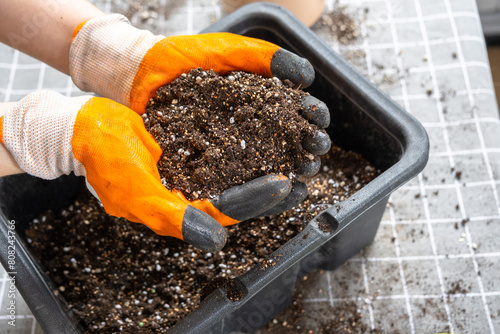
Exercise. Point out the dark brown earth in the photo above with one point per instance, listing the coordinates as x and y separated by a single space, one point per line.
215 132
120 276
221 131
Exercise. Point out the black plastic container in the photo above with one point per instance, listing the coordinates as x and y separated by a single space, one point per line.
363 119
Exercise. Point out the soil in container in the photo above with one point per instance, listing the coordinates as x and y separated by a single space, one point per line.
119 276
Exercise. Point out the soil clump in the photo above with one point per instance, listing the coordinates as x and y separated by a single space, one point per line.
217 132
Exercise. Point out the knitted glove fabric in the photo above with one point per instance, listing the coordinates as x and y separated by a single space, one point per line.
115 60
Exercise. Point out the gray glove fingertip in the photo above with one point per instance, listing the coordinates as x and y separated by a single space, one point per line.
250 199
315 111
202 231
297 195
310 168
317 144
288 65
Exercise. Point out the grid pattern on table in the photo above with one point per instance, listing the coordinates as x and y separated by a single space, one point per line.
442 229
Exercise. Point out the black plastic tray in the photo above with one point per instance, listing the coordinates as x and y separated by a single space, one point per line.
363 119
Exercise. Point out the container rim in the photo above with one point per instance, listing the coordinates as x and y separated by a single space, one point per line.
406 130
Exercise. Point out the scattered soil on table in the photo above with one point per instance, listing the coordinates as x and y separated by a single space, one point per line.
145 14
303 317
221 131
120 276
458 287
340 24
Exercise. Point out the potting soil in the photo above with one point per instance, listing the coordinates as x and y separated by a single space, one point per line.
221 131
119 276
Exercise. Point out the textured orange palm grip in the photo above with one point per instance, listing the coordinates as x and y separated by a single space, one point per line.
221 52
120 159
105 134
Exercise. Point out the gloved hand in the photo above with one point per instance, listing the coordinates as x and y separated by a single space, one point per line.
115 60
50 135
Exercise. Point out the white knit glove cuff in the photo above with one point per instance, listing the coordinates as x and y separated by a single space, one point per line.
105 56
38 132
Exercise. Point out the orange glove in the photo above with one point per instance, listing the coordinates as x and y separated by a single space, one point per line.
50 135
115 60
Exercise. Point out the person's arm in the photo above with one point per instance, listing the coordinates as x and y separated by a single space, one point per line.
8 165
43 28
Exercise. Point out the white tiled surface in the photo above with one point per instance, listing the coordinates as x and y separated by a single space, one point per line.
422 248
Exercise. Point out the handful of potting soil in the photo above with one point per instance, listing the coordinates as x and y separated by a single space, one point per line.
217 132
